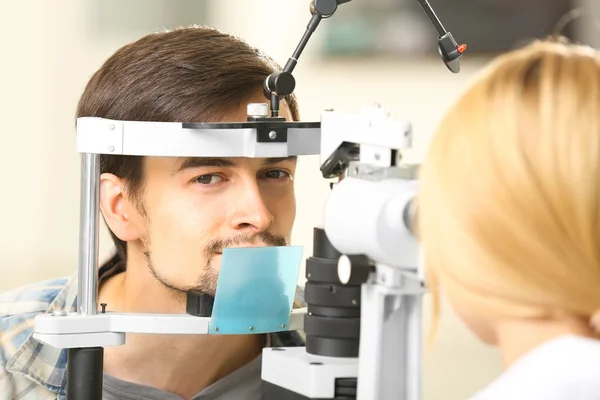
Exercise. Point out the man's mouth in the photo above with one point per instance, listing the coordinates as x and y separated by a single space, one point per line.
250 246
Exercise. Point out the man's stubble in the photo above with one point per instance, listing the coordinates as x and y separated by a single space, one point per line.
207 280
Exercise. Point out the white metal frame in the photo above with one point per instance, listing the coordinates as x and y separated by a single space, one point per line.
109 329
175 139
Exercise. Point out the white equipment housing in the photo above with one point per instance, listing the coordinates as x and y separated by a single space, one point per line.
369 213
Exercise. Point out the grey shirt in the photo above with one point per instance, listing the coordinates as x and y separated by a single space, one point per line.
244 383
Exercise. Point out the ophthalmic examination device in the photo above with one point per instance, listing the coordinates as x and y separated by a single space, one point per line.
363 292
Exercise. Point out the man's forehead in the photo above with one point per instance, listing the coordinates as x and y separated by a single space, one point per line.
184 163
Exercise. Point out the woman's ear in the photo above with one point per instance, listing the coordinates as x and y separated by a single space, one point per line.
114 206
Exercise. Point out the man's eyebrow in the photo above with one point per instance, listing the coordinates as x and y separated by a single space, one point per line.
271 161
204 162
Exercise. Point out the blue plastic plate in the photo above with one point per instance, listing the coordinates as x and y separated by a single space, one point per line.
256 290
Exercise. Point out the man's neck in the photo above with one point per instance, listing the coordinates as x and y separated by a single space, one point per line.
518 337
180 364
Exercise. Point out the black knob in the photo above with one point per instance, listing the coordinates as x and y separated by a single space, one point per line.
354 270
281 83
323 7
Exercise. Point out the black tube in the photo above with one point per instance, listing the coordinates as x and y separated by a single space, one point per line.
310 29
84 373
274 105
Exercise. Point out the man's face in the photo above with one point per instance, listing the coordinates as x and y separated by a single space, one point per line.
195 207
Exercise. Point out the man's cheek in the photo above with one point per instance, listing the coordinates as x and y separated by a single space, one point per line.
176 244
181 218
284 211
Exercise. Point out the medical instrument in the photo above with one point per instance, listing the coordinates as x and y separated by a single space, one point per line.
364 286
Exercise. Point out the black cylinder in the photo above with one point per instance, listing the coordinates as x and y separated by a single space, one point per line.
84 373
332 325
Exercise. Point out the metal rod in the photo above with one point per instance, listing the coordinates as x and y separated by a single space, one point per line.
435 21
87 294
310 29
414 368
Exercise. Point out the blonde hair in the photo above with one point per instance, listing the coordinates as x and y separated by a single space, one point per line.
509 205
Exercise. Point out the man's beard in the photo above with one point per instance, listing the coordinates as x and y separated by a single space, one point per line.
206 282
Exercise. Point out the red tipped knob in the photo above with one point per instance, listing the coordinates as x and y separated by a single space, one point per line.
461 49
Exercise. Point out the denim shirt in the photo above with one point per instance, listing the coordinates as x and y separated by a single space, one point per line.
30 370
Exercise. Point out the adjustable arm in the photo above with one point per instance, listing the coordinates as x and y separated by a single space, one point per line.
282 83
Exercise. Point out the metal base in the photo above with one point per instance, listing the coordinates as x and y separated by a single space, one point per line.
345 389
291 371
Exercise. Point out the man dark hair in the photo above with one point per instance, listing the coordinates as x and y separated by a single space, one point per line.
196 74
170 219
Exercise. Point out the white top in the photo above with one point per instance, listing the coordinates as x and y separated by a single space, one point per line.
258 109
566 368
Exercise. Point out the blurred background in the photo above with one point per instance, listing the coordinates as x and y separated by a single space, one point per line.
371 51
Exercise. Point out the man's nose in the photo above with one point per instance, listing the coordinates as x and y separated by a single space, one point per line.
251 214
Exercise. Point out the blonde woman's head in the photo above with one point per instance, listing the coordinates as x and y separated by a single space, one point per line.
509 209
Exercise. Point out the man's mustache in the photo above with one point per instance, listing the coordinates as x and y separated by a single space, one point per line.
265 238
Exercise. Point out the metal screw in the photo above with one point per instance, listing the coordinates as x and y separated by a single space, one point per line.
111 127
272 135
103 307
354 302
111 148
59 313
216 328
251 328
283 325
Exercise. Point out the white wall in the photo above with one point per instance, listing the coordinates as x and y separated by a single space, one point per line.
47 57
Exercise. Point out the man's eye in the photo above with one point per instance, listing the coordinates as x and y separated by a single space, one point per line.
276 174
208 179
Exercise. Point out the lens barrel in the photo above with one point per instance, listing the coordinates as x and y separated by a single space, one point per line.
332 324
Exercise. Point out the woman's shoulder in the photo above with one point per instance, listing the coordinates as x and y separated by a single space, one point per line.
564 368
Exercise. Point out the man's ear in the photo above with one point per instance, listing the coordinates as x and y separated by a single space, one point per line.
117 208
